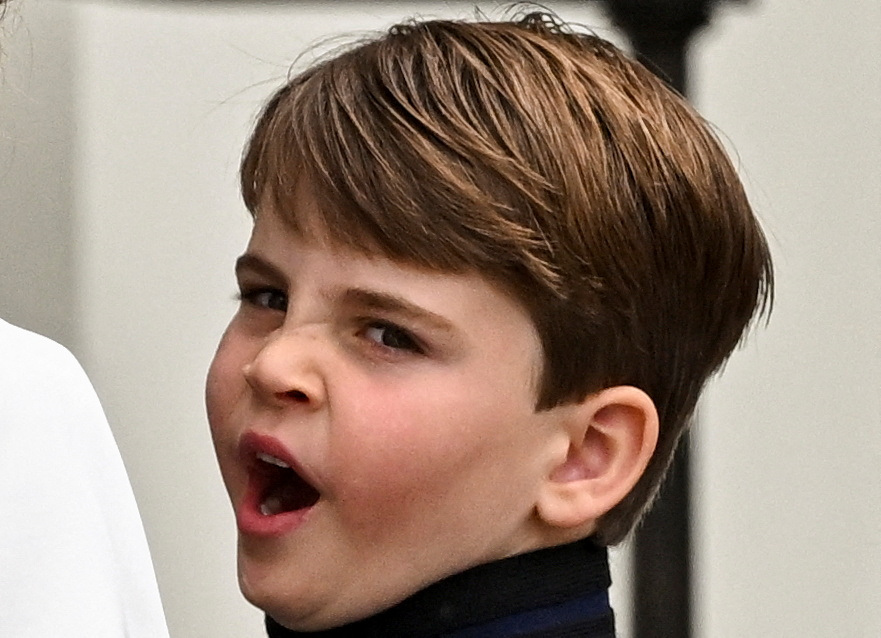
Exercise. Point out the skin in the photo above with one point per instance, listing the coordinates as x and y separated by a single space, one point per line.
405 396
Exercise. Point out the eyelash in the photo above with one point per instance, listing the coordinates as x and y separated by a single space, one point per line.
252 297
407 342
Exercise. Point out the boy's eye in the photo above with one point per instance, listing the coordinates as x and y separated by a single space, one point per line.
269 298
391 336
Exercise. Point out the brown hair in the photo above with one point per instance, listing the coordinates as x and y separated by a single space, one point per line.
556 166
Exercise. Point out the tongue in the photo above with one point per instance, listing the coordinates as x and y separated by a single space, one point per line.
288 496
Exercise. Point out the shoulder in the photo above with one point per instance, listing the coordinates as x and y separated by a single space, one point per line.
22 351
42 386
90 574
29 360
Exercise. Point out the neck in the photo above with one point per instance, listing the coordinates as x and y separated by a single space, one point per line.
550 592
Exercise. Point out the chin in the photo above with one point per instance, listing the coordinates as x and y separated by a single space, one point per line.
279 606
289 608
295 619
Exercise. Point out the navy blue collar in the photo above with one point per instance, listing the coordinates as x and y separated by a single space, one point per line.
558 591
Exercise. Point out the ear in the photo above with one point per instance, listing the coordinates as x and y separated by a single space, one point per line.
609 437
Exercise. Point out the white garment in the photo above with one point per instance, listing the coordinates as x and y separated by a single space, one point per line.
74 560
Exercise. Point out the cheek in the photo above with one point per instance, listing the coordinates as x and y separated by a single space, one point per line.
216 379
223 387
411 453
215 384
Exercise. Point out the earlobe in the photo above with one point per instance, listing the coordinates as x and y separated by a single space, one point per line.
611 436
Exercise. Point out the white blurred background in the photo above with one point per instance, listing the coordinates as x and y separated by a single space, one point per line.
121 125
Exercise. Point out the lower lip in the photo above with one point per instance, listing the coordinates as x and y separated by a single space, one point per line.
252 522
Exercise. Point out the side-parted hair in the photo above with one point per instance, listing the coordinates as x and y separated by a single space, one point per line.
549 162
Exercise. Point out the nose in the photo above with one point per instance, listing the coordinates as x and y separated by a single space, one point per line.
286 370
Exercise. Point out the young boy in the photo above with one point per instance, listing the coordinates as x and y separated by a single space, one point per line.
492 267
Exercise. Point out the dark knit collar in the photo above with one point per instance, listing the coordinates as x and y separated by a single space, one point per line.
534 592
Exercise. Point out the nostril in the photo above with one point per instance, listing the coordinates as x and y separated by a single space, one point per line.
297 395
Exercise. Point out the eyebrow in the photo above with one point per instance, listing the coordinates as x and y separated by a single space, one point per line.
356 297
249 262
387 302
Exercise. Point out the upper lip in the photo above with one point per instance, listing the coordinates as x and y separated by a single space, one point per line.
254 445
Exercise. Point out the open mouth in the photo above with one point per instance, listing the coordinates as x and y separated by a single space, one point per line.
280 488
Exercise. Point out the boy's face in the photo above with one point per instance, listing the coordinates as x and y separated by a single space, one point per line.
405 401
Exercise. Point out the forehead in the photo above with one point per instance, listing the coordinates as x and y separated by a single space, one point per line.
312 247
316 218
285 239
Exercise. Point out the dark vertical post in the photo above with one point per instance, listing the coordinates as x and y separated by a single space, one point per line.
660 32
660 37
